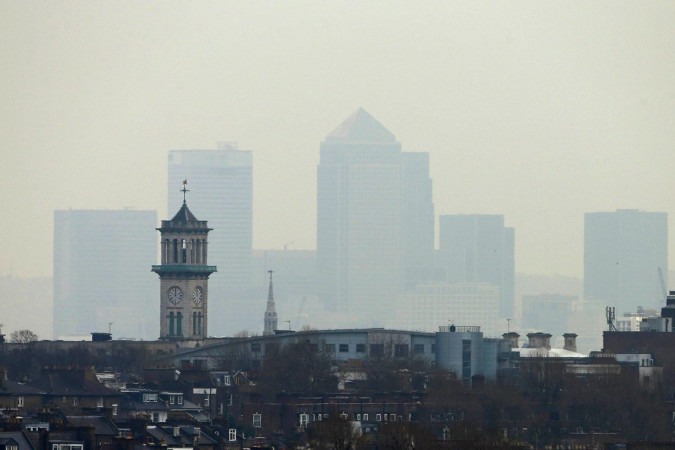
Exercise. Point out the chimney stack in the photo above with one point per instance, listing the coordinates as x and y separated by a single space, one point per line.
539 340
570 342
512 337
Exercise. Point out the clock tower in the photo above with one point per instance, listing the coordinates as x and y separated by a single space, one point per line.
184 275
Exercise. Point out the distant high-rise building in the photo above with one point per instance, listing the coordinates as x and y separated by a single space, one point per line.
479 248
221 186
101 273
623 254
375 224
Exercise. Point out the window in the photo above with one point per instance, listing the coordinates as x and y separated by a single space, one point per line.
418 349
344 348
401 350
365 417
99 402
376 349
19 401
232 435
179 399
360 348
207 401
378 417
67 446
227 380
114 409
172 399
343 416
392 417
149 397
257 420
330 348
229 399
358 416
76 401
304 419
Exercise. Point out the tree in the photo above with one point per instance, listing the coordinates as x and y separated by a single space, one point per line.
334 433
22 337
296 367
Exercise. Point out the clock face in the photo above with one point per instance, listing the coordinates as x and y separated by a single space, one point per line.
197 296
175 295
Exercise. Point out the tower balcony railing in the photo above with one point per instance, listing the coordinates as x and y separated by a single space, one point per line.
192 268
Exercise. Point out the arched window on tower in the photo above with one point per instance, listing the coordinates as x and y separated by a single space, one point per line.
165 252
175 251
183 250
194 323
192 251
199 324
171 324
179 324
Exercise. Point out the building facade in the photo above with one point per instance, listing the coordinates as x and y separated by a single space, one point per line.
479 248
101 278
625 254
184 275
374 217
221 184
434 301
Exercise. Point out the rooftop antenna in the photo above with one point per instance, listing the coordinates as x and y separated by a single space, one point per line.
611 317
110 327
663 285
508 325
184 190
289 324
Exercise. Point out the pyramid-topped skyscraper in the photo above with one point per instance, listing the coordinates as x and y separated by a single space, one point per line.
375 225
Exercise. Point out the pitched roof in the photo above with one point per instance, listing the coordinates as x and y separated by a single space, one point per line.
361 127
184 215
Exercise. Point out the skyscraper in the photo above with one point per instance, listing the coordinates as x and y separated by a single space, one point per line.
375 215
101 276
479 248
221 189
623 253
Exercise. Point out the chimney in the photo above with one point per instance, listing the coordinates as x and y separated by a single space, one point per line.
539 340
512 337
570 342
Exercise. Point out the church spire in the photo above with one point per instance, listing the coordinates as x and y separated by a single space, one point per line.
270 312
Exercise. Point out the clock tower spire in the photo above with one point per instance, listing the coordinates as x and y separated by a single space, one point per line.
184 275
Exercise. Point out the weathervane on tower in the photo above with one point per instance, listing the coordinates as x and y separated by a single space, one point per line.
184 190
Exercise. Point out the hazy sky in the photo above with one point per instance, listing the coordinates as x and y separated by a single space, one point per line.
537 110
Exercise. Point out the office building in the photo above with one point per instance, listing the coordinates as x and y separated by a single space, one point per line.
375 218
479 248
474 304
221 189
102 280
624 251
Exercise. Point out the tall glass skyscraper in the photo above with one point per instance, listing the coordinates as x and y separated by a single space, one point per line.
375 218
101 275
221 189
479 248
623 253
